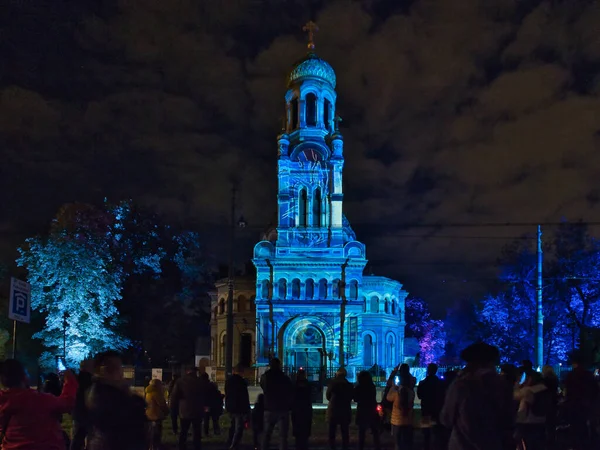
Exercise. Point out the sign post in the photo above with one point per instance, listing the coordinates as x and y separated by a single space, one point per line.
19 307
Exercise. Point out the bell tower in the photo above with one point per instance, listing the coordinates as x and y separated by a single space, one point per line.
315 308
310 160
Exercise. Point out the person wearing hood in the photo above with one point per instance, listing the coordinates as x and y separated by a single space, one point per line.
28 418
479 404
156 411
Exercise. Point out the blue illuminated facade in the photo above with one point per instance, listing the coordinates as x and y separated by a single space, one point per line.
310 269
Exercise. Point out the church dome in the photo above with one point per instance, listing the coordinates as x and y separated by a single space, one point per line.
312 67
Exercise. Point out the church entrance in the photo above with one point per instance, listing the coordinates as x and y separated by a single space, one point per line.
307 349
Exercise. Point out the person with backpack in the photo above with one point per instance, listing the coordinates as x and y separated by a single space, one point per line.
28 418
478 408
535 401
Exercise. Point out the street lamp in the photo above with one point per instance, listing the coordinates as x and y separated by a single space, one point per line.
241 223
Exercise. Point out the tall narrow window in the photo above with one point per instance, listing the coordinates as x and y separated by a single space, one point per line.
353 290
311 110
316 208
327 114
302 208
282 289
295 288
245 357
322 289
294 121
310 289
368 359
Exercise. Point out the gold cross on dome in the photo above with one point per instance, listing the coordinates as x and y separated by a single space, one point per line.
311 28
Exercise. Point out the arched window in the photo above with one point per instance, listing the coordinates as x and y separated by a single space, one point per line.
295 288
368 350
294 113
389 350
323 289
387 306
353 290
336 291
365 304
302 208
222 306
316 206
374 304
264 289
282 289
310 289
394 307
241 303
327 114
311 110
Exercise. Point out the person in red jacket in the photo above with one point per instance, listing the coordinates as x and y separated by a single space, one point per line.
27 417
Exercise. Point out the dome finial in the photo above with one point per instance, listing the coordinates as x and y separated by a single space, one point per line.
311 28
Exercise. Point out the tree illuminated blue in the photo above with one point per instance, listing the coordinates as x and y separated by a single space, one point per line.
81 269
75 281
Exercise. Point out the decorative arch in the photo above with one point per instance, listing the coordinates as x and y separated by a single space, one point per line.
394 307
353 290
386 307
282 288
292 326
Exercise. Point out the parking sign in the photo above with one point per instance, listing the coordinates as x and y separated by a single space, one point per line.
19 307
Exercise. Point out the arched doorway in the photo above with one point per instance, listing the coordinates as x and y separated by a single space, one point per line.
307 347
305 343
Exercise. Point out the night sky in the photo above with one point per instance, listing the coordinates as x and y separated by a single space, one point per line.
478 112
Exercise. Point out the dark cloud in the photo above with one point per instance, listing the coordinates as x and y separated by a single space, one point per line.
454 112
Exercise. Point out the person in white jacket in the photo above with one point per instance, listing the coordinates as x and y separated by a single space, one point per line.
534 405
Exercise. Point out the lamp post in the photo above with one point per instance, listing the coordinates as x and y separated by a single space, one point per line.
229 324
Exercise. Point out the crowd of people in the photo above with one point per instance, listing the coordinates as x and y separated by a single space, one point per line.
477 408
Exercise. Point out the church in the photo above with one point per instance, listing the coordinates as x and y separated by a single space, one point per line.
315 306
